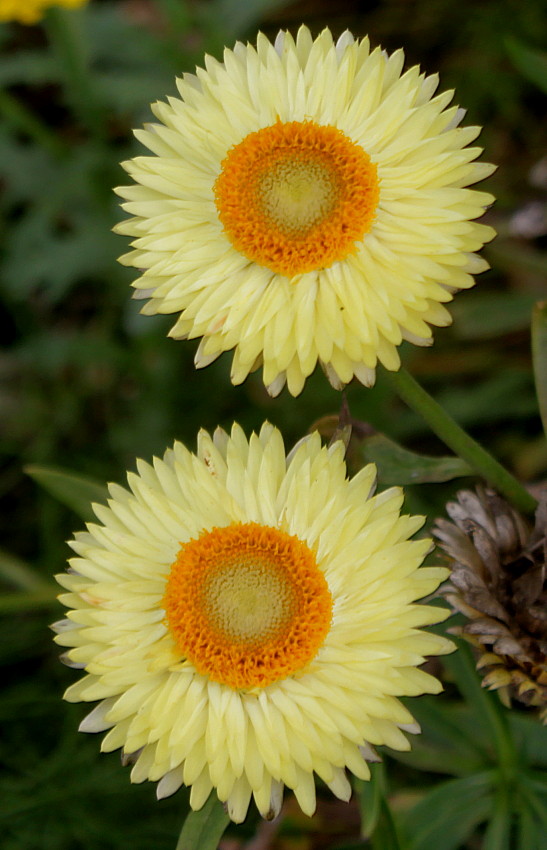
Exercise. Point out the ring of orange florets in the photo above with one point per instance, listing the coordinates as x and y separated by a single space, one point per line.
345 215
290 639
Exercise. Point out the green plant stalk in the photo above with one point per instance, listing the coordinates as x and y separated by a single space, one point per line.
67 40
442 424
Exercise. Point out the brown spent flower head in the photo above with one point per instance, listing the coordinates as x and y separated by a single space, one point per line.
498 582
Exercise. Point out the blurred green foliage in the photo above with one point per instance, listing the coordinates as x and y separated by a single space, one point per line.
87 384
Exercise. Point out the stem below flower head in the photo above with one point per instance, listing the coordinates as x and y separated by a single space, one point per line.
442 424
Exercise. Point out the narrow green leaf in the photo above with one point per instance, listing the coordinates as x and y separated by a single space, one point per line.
498 832
448 815
75 491
370 796
451 740
385 836
18 573
532 791
532 64
530 740
377 822
487 707
530 835
397 465
492 314
203 830
237 18
539 355
20 603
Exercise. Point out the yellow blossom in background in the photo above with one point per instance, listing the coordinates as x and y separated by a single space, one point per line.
306 201
32 11
248 618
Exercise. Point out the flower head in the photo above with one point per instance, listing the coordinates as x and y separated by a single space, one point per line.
248 619
306 201
498 581
31 11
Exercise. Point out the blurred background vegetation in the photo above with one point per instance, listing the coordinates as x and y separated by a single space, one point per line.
88 384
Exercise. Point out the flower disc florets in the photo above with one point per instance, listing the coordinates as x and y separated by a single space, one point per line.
306 202
248 619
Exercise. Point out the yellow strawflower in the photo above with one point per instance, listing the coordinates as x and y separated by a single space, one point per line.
305 201
248 619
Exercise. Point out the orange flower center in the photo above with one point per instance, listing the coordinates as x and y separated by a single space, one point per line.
247 604
296 197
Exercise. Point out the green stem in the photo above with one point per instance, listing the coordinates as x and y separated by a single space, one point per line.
203 830
460 442
68 41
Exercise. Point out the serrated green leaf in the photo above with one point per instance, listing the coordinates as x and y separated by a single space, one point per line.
532 64
539 356
448 815
203 830
75 491
397 465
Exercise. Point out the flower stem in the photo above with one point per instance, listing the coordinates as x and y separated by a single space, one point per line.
203 830
460 442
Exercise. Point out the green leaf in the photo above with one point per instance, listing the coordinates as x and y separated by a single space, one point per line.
203 830
377 822
448 815
385 835
397 465
18 573
539 355
75 491
235 17
530 834
532 64
451 739
498 832
530 740
19 603
370 796
490 315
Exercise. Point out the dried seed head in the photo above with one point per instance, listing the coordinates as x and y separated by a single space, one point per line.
498 581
